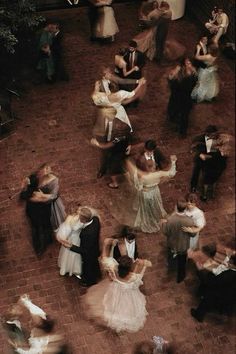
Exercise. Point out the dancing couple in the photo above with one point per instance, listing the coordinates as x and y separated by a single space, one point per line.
152 41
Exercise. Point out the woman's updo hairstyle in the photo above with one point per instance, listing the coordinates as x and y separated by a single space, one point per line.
125 266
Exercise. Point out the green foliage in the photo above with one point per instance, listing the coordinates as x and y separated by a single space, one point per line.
16 17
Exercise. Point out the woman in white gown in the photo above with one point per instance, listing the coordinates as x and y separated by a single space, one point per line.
207 86
149 202
197 215
118 303
68 261
106 26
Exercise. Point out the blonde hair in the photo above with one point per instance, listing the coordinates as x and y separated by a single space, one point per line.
85 213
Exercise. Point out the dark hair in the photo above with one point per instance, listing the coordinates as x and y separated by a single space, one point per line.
210 249
182 60
125 266
133 44
113 87
122 51
233 259
127 232
211 129
47 325
181 205
203 35
191 197
150 145
144 347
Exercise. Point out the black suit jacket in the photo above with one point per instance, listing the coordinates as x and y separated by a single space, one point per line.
56 46
160 160
89 250
220 289
117 254
139 60
199 145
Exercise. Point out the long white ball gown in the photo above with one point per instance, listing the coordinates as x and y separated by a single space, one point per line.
118 304
68 261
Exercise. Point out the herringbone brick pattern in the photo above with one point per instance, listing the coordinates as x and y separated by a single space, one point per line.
55 125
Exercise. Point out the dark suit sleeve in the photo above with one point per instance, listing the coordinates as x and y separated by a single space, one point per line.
141 60
76 249
57 45
121 81
160 159
89 244
116 252
199 145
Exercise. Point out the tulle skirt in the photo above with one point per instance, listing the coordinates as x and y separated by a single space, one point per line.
116 306
207 86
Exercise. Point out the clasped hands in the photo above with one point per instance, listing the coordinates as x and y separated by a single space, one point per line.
142 81
94 142
204 157
66 243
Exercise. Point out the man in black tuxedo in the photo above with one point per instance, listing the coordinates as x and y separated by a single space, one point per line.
151 152
126 245
218 290
89 247
92 16
134 57
163 24
202 146
57 54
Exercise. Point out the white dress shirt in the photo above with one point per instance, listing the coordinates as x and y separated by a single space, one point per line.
130 246
209 142
199 220
149 156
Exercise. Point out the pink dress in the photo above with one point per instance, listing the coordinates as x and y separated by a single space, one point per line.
118 304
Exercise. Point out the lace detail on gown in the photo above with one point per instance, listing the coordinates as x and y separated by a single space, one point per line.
207 86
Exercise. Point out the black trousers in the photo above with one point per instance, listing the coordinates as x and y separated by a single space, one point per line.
178 262
196 172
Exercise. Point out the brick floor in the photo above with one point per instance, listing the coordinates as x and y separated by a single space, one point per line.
55 125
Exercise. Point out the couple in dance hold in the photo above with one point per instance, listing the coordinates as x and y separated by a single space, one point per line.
153 40
116 301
